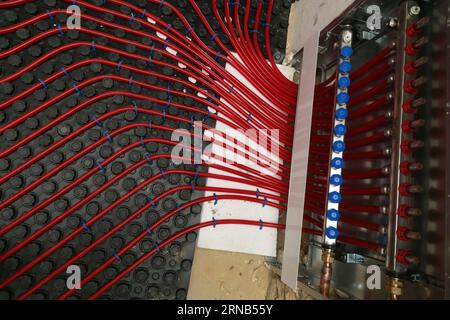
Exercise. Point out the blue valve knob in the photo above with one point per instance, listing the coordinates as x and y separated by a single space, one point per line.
341 114
340 130
345 67
337 163
333 215
336 180
331 232
346 52
342 98
344 82
339 146
334 197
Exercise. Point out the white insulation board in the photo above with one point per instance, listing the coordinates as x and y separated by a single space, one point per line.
238 238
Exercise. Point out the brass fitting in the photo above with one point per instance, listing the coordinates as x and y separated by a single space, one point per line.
395 288
327 271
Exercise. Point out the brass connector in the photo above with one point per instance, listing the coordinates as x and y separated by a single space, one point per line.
395 288
327 271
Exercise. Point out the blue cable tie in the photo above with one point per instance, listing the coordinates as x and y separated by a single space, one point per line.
150 124
261 224
168 27
206 117
257 193
231 89
65 72
235 4
215 198
150 57
169 89
93 45
116 255
169 101
49 15
178 208
85 226
216 57
193 185
130 81
102 168
148 158
166 42
254 31
163 173
188 31
98 122
149 230
104 2
143 13
43 83
164 114
197 167
150 201
249 117
108 136
136 111
119 65
214 36
211 98
131 18
265 202
77 90
74 2
161 3
158 248
214 222
142 142
265 24
61 33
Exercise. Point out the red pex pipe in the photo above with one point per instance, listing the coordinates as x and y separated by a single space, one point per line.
172 238
366 174
256 112
7 228
261 86
368 126
256 223
184 232
169 35
164 52
376 154
123 223
372 62
94 123
81 106
257 65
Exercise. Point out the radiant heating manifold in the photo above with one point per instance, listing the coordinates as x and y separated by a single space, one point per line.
377 162
332 215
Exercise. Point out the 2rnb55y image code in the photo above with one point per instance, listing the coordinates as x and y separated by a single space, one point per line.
226 310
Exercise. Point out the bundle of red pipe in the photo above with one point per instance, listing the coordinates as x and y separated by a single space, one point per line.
272 107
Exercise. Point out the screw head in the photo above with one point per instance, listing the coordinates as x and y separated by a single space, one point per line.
414 10
347 36
393 23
